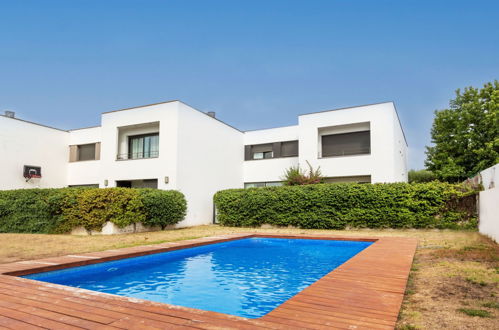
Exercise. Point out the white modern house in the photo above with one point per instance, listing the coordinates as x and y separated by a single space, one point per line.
171 145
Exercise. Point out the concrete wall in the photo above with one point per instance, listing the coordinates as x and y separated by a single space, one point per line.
24 143
489 203
489 213
209 158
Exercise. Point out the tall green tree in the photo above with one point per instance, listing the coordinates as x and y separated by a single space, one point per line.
465 137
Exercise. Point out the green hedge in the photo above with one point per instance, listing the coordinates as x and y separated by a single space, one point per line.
347 205
60 210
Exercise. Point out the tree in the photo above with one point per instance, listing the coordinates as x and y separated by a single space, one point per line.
465 137
294 176
421 176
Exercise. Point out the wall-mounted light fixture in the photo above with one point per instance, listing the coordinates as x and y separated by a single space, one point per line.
167 179
106 183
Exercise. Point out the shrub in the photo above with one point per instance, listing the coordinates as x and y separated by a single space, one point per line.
61 210
421 176
32 210
337 206
94 207
163 208
294 176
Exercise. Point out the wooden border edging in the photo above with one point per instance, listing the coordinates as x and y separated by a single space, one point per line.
366 292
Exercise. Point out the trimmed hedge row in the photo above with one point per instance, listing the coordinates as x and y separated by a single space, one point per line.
348 205
60 210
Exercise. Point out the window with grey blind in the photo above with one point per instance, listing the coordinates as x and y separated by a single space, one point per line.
289 149
262 151
271 150
86 152
345 144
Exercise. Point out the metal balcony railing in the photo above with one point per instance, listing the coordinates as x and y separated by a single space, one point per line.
138 155
346 152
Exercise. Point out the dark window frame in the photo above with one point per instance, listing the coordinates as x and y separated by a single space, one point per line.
139 136
78 148
264 183
276 150
348 154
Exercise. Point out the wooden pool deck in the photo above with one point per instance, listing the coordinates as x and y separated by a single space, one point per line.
366 292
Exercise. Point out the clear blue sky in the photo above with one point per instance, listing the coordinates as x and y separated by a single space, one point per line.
256 63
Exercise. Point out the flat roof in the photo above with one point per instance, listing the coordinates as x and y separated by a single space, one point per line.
253 130
31 122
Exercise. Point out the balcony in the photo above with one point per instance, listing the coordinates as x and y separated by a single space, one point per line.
139 141
138 155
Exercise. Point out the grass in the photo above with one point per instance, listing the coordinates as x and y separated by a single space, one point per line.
475 312
453 271
491 304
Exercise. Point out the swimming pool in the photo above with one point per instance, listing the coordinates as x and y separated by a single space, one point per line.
247 277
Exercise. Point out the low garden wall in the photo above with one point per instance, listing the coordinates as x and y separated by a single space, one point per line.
350 205
66 209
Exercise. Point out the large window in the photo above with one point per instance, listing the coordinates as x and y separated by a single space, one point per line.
143 146
82 152
86 151
342 179
262 151
289 149
262 184
355 143
271 150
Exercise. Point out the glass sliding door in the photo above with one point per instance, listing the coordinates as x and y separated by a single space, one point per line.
143 146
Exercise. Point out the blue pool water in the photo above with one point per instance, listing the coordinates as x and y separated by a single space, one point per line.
247 277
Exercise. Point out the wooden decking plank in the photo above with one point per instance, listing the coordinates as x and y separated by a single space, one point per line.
297 324
93 306
8 323
352 310
132 322
49 312
339 314
323 319
59 300
19 313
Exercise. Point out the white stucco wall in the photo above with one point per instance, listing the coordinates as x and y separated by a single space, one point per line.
380 164
23 143
489 213
209 158
165 165
88 171
269 170
489 203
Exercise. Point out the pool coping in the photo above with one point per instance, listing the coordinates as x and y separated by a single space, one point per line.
365 292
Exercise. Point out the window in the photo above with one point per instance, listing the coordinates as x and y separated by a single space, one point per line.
86 152
271 150
355 143
262 184
92 185
143 146
342 179
289 149
82 152
262 151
